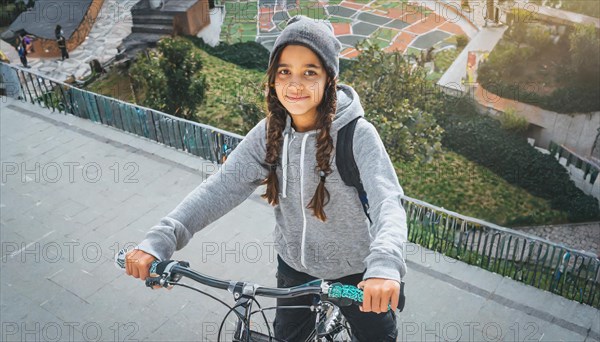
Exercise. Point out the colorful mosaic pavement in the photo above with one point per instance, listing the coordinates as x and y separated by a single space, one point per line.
394 25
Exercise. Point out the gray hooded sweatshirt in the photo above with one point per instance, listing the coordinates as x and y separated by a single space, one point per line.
346 243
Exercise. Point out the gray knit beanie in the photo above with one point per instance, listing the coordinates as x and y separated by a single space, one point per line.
316 34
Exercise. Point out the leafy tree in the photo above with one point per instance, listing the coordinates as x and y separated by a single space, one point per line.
251 111
171 78
399 101
585 54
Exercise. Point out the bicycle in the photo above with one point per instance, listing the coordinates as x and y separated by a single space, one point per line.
330 324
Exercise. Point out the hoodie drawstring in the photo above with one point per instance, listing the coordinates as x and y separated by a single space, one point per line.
285 163
302 150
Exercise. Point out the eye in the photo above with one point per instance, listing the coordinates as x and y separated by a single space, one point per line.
310 73
282 72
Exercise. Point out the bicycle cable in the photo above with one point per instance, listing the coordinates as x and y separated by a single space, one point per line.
264 317
283 307
225 318
204 293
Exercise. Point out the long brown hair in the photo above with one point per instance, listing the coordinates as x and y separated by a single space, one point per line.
276 120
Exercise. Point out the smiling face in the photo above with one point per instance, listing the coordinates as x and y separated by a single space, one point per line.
300 81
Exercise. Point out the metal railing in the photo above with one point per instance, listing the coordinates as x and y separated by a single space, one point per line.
544 264
529 259
198 139
558 151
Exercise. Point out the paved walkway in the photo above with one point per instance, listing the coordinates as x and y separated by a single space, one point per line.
112 25
74 191
485 40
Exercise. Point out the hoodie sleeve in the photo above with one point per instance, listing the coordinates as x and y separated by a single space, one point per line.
235 181
389 229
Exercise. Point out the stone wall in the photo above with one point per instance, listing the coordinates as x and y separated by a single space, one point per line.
577 131
581 236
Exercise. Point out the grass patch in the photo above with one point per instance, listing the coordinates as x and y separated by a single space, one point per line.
239 32
382 43
444 59
335 19
239 24
385 4
434 76
385 34
241 11
114 84
413 51
455 183
226 82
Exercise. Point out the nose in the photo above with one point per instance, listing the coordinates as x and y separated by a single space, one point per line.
295 89
299 86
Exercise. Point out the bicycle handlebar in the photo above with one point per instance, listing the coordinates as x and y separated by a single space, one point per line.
170 271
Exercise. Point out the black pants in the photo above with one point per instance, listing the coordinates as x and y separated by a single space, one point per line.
64 52
295 325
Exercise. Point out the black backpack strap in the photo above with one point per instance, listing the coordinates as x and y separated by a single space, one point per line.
346 164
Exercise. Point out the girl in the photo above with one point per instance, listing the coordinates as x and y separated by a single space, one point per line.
321 231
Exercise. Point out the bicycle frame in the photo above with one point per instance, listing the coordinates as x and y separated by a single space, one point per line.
323 329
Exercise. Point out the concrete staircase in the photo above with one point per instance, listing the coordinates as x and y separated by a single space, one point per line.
150 25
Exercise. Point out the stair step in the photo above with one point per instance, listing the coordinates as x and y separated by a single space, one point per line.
153 20
160 29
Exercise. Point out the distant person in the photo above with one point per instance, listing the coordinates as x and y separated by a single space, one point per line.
24 46
58 31
22 51
22 55
26 42
62 45
61 41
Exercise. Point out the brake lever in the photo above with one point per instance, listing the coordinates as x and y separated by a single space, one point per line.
151 282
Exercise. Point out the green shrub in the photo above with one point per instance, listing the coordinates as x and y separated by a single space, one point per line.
538 37
251 111
510 120
248 55
461 41
444 59
346 64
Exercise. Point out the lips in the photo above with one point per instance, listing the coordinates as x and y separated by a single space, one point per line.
297 98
